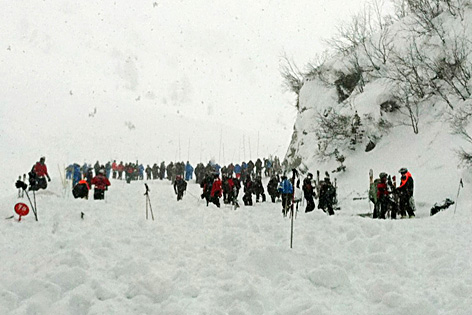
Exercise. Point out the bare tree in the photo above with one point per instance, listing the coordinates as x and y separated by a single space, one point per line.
315 67
459 123
426 16
410 105
333 130
351 34
293 77
401 8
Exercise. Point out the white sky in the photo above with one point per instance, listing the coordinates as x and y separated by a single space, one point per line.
210 60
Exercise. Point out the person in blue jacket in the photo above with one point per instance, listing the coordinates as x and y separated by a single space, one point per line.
237 171
188 171
286 190
141 171
76 175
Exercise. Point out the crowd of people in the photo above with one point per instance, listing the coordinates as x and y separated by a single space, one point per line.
388 199
227 181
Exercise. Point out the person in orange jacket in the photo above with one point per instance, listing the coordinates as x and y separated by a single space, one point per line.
405 192
101 183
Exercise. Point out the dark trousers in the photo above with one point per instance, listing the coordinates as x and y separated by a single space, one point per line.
247 198
286 202
405 206
383 206
310 203
262 195
216 201
98 194
180 194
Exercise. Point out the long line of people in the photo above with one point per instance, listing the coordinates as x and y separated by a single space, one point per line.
388 199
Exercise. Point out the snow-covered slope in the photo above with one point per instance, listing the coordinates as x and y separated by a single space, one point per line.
195 259
430 155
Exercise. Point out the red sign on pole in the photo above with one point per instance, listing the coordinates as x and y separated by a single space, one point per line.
21 209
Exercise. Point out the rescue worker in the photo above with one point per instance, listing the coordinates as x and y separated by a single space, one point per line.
101 183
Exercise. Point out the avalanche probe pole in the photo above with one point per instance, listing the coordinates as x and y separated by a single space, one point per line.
295 173
35 207
148 202
461 184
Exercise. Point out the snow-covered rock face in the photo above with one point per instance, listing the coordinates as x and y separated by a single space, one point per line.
379 99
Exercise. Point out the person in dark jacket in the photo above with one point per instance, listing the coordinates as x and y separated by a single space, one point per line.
327 196
180 185
81 189
101 183
162 170
155 171
258 167
148 172
309 193
206 185
259 189
272 188
248 190
405 193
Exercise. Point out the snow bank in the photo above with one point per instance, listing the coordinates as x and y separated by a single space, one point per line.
197 259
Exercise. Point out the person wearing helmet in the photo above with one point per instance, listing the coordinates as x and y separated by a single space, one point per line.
101 183
405 193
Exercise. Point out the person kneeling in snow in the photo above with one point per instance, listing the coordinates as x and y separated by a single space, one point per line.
38 175
101 183
81 189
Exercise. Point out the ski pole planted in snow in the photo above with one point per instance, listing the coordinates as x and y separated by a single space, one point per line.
461 184
148 202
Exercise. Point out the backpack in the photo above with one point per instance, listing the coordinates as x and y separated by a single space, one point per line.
373 190
80 191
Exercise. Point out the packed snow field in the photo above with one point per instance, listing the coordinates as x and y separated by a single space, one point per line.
194 259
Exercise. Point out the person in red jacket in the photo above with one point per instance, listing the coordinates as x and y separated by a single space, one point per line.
385 188
114 169
216 191
38 174
101 183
